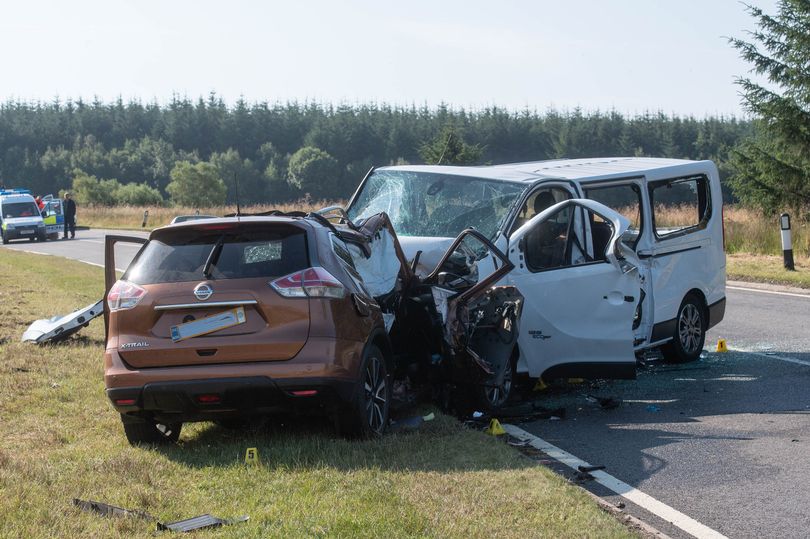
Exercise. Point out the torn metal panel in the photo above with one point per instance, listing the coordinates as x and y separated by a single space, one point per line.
61 327
380 268
199 523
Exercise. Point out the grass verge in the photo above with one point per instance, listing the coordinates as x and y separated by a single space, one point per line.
62 440
767 269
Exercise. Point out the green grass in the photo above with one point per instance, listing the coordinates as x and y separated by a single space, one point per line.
61 439
767 269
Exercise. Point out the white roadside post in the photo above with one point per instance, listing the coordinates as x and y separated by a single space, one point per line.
787 241
145 218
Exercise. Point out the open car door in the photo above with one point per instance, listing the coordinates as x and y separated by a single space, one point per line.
581 288
110 275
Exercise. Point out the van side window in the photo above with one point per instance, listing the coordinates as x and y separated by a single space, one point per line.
680 206
625 199
571 236
537 202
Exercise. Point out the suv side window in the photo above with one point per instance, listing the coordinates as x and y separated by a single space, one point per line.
571 236
625 199
342 251
680 206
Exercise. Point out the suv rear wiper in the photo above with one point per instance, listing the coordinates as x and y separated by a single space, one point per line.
213 256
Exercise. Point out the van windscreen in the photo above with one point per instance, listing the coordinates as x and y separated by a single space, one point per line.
20 209
235 253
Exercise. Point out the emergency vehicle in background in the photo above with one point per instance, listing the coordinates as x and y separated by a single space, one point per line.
20 217
54 216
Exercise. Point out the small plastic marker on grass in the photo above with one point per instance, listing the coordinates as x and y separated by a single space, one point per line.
721 345
252 456
495 428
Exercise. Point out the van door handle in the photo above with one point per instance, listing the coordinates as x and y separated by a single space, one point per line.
616 298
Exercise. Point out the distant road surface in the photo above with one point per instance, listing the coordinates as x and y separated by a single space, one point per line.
88 246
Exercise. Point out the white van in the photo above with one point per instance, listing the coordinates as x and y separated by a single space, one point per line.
601 286
20 217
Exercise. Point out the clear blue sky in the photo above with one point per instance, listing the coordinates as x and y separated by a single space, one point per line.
632 55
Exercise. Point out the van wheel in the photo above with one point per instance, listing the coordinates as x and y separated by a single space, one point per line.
367 414
690 332
146 431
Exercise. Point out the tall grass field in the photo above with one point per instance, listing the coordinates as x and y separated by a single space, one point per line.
747 230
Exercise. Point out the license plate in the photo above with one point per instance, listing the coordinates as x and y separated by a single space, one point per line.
26 232
209 324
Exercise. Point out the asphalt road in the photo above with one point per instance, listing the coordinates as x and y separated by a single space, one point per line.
724 440
88 246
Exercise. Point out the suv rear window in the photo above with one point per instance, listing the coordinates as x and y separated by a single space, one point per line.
181 255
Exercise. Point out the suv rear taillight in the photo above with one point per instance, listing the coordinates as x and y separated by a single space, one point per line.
311 282
124 295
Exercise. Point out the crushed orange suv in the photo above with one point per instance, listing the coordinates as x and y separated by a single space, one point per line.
222 319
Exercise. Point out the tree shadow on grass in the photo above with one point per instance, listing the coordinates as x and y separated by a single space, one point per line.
306 442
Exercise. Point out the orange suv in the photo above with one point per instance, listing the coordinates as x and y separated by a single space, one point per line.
220 318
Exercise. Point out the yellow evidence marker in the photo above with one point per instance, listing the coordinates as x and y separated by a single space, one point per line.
252 456
721 345
495 428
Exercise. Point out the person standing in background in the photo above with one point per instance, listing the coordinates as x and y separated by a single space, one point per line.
70 216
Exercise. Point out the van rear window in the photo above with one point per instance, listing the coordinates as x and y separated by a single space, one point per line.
680 206
245 252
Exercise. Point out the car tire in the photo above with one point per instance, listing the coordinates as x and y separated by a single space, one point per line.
146 431
492 399
690 332
367 414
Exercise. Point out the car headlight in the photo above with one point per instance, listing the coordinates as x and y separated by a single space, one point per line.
9 226
41 225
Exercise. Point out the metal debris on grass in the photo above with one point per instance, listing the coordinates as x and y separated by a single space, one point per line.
187 525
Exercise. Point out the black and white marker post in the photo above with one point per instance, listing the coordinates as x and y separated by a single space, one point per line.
787 242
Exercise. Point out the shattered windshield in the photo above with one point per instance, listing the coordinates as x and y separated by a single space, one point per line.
428 204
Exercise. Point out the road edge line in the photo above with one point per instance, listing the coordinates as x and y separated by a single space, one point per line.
65 257
645 501
766 355
773 292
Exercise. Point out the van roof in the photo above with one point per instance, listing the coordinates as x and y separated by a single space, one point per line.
570 169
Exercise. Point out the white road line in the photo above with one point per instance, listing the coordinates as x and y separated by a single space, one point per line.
774 292
788 359
660 509
68 258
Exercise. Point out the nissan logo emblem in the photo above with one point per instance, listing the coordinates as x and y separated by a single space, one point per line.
202 291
